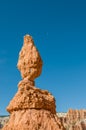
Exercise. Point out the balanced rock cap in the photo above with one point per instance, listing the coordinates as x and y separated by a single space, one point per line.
30 62
28 39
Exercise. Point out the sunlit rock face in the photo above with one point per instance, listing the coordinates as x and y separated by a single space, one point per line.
30 97
75 120
76 115
31 108
30 62
80 125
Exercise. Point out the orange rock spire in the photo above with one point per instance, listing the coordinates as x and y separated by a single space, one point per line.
30 62
31 108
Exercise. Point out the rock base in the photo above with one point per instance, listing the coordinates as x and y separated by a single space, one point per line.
32 119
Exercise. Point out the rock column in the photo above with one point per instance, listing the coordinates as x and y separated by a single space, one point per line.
31 108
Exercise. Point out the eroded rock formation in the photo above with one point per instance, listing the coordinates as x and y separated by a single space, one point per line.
80 125
29 63
76 115
75 120
31 108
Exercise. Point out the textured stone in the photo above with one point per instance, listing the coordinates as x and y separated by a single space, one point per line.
31 108
30 62
31 119
76 115
75 120
29 97
80 125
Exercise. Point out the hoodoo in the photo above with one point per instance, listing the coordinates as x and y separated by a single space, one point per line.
31 108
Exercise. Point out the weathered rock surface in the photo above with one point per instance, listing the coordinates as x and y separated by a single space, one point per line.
30 62
3 121
77 119
31 108
30 97
32 119
75 115
74 120
80 125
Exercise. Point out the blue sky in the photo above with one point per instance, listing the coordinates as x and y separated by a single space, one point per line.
59 32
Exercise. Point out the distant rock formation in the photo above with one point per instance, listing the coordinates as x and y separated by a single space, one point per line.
80 125
3 121
76 115
74 120
31 108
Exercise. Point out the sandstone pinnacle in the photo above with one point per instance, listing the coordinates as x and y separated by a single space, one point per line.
30 62
31 108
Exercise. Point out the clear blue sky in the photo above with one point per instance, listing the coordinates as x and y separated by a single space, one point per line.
59 32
